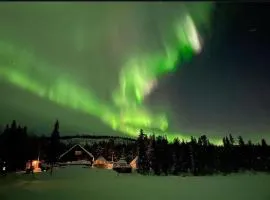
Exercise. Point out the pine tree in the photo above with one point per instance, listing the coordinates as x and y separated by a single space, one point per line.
192 155
192 160
21 147
250 154
241 141
203 156
205 141
176 156
55 144
14 125
165 156
263 143
159 155
242 153
224 141
151 153
231 139
265 164
143 164
200 142
227 141
13 149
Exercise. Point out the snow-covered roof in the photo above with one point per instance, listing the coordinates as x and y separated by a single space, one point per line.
101 158
134 160
121 161
91 155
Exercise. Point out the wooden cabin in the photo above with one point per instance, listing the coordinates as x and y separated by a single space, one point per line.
77 155
101 162
122 166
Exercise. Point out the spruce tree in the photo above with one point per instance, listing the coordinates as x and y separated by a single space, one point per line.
241 142
263 143
231 139
55 144
142 157
176 162
165 155
151 153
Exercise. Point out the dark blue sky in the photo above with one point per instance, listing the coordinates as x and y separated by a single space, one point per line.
227 87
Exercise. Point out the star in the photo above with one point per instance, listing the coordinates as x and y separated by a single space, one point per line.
252 30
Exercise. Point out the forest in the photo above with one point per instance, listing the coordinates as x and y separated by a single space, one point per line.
156 156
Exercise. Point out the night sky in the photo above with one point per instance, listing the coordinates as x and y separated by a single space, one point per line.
179 69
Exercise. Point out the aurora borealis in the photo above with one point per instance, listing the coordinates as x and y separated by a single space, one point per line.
101 60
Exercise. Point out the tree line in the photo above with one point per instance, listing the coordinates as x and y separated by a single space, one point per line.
17 146
155 154
199 157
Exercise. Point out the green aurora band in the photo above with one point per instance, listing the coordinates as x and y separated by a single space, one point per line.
138 77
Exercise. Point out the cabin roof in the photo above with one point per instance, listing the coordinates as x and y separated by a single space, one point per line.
77 145
101 158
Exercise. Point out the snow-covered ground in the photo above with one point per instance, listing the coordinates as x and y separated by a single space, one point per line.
77 183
